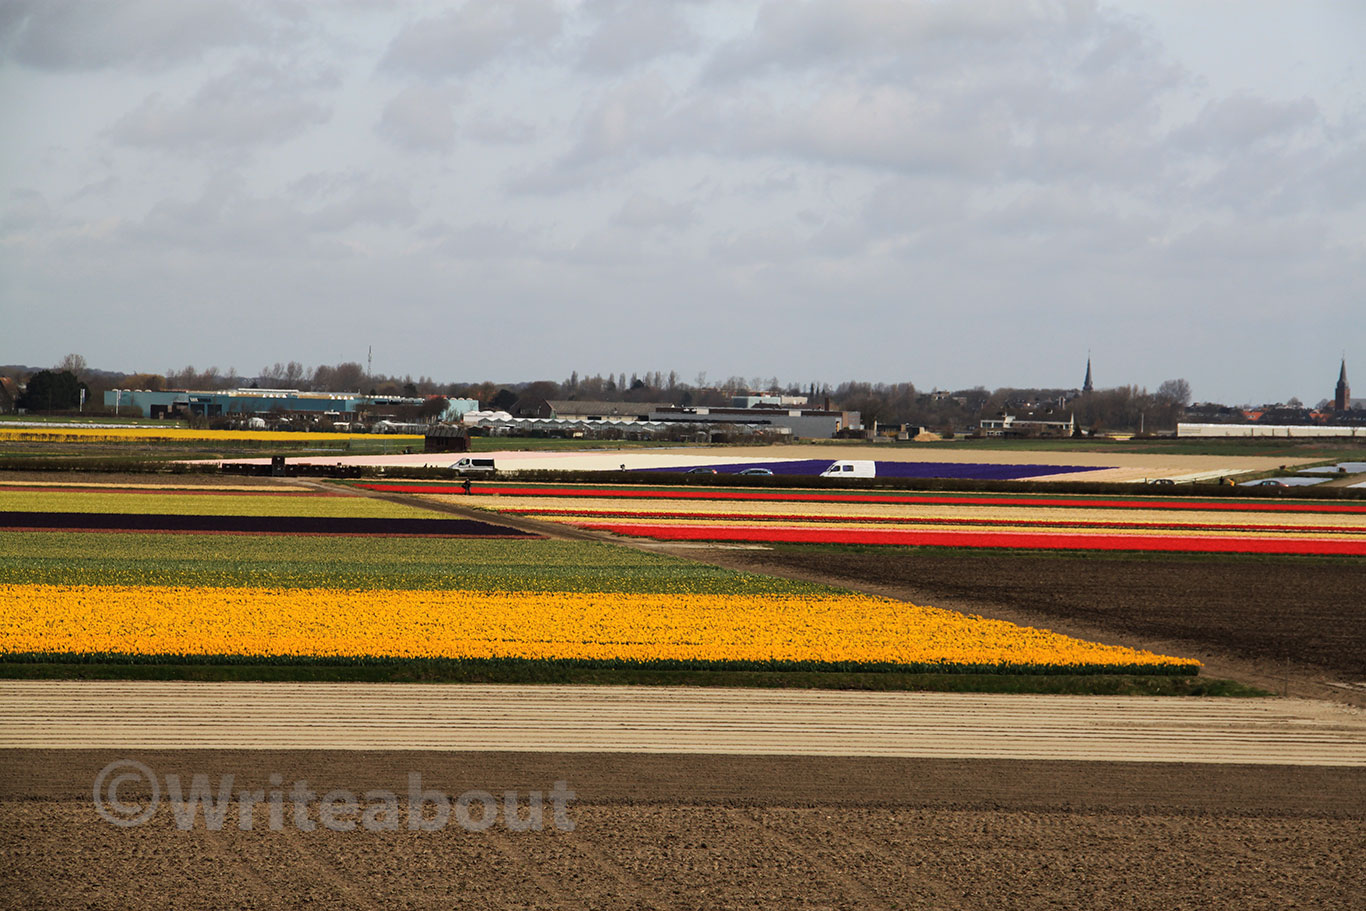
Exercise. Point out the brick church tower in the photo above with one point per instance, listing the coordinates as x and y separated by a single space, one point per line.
1342 400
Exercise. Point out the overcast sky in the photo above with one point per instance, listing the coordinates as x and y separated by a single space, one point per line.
947 193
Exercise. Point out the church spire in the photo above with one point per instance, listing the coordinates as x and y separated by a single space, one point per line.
1086 386
1342 398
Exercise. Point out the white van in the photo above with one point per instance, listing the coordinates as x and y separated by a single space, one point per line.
472 466
851 468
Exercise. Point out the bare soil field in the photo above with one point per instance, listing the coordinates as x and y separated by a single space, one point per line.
708 832
1265 611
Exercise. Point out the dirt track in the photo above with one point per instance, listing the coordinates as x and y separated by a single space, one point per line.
352 716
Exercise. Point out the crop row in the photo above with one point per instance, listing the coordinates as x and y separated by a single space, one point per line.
841 630
214 503
573 515
222 561
991 539
907 498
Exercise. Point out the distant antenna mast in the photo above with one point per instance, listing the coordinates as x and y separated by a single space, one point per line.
369 361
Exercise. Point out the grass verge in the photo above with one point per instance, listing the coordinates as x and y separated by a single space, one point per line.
541 672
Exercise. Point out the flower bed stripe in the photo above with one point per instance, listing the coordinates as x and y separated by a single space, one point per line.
1024 541
928 520
811 468
192 491
825 631
298 525
907 499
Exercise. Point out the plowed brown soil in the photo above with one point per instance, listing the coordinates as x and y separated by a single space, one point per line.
706 832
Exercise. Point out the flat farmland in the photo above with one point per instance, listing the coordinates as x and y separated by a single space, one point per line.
687 797
1263 618
127 593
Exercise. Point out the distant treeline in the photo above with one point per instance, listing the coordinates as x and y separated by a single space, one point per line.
942 411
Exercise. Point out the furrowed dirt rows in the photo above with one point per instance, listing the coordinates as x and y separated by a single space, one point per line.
687 832
186 715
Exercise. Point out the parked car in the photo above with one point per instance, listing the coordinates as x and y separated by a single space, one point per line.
701 469
472 466
1164 482
757 472
1272 482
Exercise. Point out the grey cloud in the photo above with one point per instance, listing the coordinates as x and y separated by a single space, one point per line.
623 120
642 210
626 34
420 118
909 88
844 33
75 35
884 128
472 35
483 241
496 129
340 201
1273 158
310 220
907 206
224 219
1229 124
256 102
26 208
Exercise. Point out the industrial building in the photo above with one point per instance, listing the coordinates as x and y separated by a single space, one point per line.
180 402
764 412
805 423
1185 430
1008 425
588 410
767 400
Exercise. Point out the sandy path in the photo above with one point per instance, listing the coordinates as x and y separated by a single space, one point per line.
181 715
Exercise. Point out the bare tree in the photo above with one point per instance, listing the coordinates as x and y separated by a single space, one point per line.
73 364
433 408
1174 392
